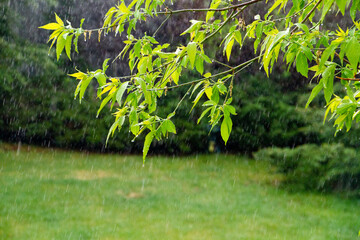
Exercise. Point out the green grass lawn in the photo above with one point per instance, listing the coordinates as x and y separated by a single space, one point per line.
53 194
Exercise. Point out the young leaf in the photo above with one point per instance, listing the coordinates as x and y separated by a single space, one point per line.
229 48
103 103
342 5
226 127
68 45
59 20
229 109
169 126
117 124
328 81
194 27
84 85
302 64
133 119
60 44
214 5
78 75
191 51
199 65
148 139
203 114
121 91
51 26
326 8
197 98
353 53
105 65
314 93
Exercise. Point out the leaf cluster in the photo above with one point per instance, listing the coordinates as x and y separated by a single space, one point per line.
290 30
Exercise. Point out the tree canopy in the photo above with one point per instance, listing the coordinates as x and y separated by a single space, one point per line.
294 32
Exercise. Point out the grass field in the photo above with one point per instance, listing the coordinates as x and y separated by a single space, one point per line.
53 194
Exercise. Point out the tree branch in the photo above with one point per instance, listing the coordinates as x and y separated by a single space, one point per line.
308 15
349 79
212 10
240 66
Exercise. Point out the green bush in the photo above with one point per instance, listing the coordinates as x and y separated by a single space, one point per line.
329 167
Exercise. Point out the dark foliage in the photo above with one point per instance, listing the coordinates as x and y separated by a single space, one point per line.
329 167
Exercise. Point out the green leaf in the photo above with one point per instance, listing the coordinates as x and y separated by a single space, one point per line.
51 26
85 83
60 22
100 77
133 120
215 95
191 51
209 103
170 115
147 94
353 53
148 139
60 44
203 114
194 27
329 51
77 90
199 65
302 64
229 49
169 126
303 27
354 7
328 81
237 36
342 5
68 45
230 109
197 86
273 7
82 22
142 65
314 93
326 8
214 5
277 39
226 127
105 66
103 103
117 124
120 92
197 98
176 75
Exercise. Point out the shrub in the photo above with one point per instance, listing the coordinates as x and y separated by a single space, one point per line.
329 167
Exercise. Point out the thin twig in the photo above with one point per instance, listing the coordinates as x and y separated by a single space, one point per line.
349 79
240 66
343 58
210 9
162 24
224 64
234 7
217 30
308 15
182 99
